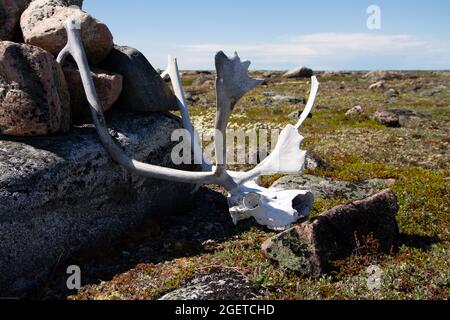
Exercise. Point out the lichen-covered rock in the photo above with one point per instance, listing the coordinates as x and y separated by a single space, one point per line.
314 161
42 25
380 75
34 99
107 84
326 188
10 11
62 194
220 284
377 86
391 93
310 248
355 111
387 118
143 88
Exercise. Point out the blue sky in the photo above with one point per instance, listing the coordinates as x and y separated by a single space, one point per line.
322 34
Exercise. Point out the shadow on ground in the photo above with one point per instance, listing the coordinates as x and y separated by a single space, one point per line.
186 233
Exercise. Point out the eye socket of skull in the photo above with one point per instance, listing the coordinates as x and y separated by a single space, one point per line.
303 203
252 201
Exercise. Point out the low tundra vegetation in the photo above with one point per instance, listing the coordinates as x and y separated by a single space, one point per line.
415 156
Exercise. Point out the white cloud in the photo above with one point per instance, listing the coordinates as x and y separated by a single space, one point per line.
329 51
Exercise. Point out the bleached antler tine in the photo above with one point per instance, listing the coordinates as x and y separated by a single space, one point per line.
287 158
232 83
76 49
174 74
312 97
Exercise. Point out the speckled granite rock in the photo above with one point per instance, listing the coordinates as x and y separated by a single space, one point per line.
34 99
42 25
62 194
326 188
220 284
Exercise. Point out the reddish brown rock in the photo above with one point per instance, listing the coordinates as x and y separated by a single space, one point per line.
34 99
108 85
42 25
311 247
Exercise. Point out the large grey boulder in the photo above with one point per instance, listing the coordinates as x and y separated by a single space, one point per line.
62 194
143 88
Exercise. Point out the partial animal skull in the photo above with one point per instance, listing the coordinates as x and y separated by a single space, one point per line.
274 208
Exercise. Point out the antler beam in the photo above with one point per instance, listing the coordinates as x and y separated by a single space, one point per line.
75 48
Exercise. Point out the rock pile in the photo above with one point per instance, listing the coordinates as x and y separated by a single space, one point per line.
38 98
61 193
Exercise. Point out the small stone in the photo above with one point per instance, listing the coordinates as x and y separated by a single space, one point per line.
433 91
377 86
297 114
382 75
300 72
202 80
270 74
388 119
190 97
314 161
391 93
355 111
290 99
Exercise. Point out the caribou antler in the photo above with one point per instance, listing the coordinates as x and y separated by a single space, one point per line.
273 208
232 83
174 74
